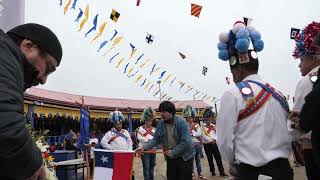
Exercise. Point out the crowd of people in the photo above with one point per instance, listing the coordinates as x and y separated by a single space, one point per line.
254 125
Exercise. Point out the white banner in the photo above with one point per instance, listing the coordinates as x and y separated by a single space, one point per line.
11 13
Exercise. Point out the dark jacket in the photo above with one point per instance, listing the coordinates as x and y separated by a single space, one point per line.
19 156
310 118
181 135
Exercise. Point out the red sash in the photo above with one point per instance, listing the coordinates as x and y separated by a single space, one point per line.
148 131
192 127
113 138
210 128
255 104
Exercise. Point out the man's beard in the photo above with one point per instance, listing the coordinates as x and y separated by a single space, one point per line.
30 75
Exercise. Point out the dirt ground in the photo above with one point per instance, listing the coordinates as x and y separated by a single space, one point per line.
160 170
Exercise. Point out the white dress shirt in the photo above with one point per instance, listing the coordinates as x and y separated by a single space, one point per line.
119 143
257 139
142 137
208 137
195 132
303 88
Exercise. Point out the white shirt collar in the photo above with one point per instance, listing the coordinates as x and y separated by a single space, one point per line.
252 76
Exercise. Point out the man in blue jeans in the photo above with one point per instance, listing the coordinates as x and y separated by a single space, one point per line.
144 134
195 131
172 131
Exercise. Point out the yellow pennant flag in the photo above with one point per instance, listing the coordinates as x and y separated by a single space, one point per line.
86 14
155 70
141 66
167 78
147 85
116 41
119 63
132 53
138 78
66 7
130 70
101 29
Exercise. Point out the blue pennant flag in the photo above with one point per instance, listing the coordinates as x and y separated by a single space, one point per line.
95 22
139 58
74 4
79 15
125 69
102 44
113 57
162 74
143 82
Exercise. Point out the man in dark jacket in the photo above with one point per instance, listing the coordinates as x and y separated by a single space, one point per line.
28 54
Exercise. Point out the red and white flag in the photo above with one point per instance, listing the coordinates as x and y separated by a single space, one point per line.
113 165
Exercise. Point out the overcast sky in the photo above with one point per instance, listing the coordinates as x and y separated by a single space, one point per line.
85 71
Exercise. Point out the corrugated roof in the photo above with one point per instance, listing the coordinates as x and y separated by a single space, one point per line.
72 100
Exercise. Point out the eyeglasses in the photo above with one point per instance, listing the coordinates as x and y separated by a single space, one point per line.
49 65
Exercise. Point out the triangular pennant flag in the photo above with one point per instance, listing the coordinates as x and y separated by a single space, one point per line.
101 29
114 15
113 57
247 21
196 10
149 38
74 4
79 15
182 55
66 7
86 14
294 33
95 22
161 75
139 58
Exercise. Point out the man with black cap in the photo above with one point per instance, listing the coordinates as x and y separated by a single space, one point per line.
252 128
29 53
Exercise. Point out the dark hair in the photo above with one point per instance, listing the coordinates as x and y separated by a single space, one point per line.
16 39
252 66
168 107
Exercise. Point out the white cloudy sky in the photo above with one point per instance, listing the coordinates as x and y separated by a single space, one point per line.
84 71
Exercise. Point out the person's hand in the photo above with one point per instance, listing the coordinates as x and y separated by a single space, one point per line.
139 151
294 116
169 153
40 174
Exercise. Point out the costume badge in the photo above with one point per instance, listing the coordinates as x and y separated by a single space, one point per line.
246 91
243 58
233 60
314 78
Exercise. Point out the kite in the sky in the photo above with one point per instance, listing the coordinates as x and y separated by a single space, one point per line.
196 10
182 55
204 70
94 27
149 38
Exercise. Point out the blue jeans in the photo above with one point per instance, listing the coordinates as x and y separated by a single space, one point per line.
148 163
197 147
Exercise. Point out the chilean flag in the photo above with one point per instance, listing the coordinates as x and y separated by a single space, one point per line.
113 165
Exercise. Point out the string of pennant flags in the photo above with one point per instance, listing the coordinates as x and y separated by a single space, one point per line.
135 66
